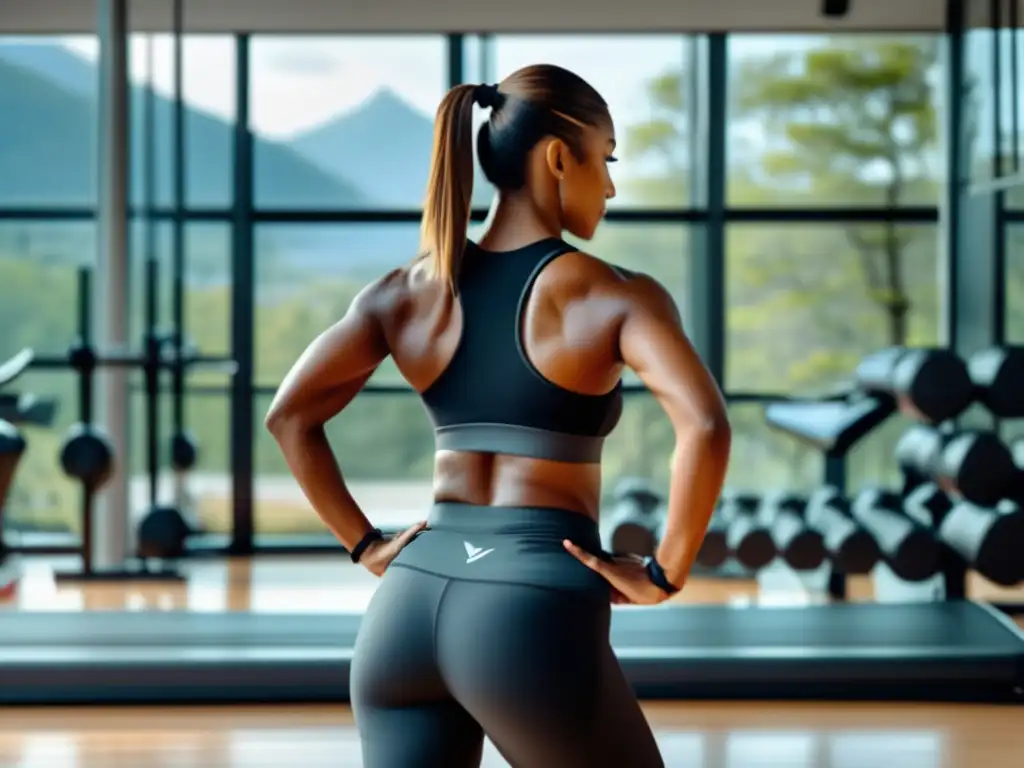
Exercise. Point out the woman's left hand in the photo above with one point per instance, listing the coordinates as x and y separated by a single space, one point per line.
627 576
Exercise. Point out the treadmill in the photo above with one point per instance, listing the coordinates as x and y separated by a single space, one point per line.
942 651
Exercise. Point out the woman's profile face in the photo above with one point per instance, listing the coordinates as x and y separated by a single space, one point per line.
587 186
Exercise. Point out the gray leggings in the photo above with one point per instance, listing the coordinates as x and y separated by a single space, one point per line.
458 642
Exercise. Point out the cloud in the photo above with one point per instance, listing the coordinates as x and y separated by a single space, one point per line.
301 60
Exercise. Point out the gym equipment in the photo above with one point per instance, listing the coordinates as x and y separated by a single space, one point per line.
16 410
998 376
714 549
929 384
87 456
747 538
799 545
945 651
988 540
1017 451
163 533
833 427
908 548
851 549
974 464
634 525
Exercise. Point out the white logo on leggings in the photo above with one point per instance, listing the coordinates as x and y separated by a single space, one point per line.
475 553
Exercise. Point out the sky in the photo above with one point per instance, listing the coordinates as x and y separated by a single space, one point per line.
298 83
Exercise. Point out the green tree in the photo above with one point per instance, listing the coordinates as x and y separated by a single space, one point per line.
857 116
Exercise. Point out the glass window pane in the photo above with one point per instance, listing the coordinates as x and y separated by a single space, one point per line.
641 445
48 130
1014 284
646 81
208 92
39 263
41 498
207 254
345 122
207 489
764 459
48 96
385 447
842 120
306 277
805 303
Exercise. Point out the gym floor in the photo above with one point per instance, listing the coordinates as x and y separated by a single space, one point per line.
692 735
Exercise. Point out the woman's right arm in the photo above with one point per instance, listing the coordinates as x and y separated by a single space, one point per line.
652 342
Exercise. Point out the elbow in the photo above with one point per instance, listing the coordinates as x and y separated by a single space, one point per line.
712 431
280 422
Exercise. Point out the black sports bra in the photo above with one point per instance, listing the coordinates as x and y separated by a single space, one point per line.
490 398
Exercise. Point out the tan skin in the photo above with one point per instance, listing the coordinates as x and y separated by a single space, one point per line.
583 324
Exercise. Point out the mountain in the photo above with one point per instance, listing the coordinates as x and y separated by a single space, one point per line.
282 177
386 143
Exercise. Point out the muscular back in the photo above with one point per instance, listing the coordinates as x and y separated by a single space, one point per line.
571 324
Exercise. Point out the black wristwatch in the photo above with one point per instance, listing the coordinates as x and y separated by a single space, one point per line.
367 540
657 576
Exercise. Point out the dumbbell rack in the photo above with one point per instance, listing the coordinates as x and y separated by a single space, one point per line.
933 387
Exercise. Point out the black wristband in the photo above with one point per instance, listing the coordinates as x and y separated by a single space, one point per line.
657 576
367 540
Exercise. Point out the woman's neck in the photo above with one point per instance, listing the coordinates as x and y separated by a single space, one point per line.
515 221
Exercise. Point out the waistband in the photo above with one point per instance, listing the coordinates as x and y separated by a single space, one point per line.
516 440
532 522
512 545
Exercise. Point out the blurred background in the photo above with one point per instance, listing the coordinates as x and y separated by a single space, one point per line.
822 207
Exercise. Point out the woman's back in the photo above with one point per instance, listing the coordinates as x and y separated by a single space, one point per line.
536 352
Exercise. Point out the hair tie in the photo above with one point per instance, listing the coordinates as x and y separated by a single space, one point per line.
488 96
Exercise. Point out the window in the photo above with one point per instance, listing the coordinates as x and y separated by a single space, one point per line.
805 303
764 459
207 257
646 81
48 131
306 277
344 122
1014 286
385 446
838 120
207 488
48 139
41 498
979 104
641 445
208 93
39 263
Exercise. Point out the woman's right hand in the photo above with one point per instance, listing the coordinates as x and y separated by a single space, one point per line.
378 556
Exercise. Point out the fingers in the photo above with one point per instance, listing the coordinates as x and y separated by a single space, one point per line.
591 561
407 535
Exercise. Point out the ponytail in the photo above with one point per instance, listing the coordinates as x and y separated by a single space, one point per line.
450 186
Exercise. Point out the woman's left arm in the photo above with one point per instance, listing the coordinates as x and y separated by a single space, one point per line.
327 376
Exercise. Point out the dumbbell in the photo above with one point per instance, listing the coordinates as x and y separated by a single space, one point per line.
931 384
976 465
634 525
747 538
998 377
908 548
87 455
714 549
799 545
850 547
988 540
162 533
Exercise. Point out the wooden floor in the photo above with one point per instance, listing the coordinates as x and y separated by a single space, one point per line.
698 735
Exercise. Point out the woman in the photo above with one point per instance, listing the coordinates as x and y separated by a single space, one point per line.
493 615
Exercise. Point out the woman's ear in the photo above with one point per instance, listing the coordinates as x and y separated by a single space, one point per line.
555 155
